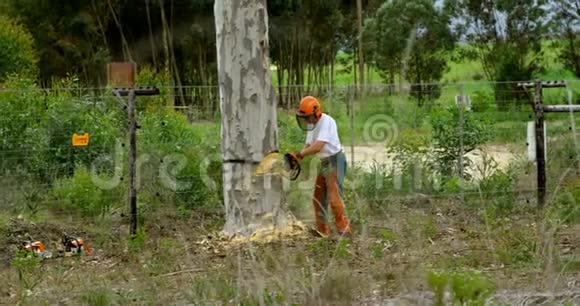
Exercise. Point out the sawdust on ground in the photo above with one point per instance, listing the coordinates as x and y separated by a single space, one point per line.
294 230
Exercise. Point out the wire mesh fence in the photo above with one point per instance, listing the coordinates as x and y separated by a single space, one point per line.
436 148
469 141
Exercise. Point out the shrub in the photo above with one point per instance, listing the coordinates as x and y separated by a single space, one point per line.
170 149
138 241
29 268
42 128
147 76
437 282
78 194
467 287
375 186
471 288
498 188
21 126
180 160
446 140
17 53
408 148
482 101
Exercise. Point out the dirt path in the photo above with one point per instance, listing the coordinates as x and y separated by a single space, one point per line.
367 156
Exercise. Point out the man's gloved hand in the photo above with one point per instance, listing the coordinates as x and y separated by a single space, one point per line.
292 163
292 160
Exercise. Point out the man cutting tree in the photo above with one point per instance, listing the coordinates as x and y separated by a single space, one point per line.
322 139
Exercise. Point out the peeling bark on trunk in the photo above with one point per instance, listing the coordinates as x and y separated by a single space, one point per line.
248 106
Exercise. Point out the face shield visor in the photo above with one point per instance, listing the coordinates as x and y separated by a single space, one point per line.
306 122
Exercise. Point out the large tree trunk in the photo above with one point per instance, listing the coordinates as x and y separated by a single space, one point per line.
248 105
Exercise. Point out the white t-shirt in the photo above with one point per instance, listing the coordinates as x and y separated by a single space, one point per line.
325 130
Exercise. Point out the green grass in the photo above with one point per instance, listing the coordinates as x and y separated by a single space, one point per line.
463 71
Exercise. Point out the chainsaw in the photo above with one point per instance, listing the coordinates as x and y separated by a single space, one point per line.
73 245
35 248
287 165
292 165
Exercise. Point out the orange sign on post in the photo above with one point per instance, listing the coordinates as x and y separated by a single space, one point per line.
80 140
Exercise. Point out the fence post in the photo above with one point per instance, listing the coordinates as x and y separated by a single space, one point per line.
461 135
540 149
352 111
132 92
132 164
573 128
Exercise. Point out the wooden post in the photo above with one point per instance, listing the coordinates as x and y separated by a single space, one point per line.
540 148
132 163
539 110
132 93
573 128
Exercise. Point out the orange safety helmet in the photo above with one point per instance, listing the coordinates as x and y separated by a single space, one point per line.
308 113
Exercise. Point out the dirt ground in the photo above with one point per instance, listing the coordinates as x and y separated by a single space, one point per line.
186 261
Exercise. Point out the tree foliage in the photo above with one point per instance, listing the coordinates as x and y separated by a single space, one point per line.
17 52
507 35
567 27
403 38
410 38
305 37
67 36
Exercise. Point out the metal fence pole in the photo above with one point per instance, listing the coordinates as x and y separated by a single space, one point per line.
461 135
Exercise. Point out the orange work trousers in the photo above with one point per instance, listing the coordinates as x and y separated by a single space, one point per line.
328 190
